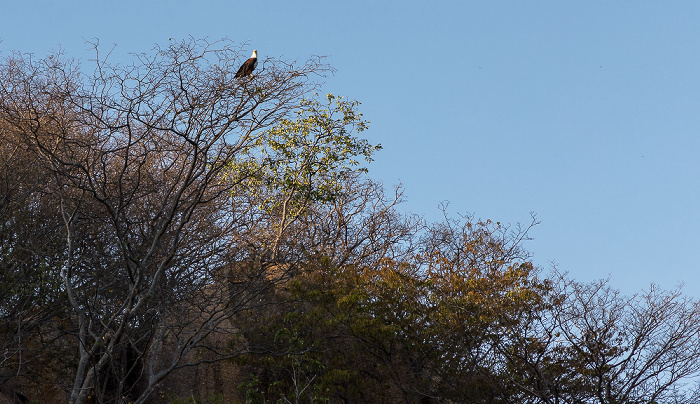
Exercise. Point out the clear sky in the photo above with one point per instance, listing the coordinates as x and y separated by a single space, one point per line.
585 113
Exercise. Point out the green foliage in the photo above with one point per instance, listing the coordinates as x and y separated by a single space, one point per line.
427 326
306 159
293 369
250 389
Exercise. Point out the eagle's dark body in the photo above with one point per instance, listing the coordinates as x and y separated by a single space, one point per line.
247 68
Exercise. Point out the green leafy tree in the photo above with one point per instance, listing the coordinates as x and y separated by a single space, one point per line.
427 327
303 161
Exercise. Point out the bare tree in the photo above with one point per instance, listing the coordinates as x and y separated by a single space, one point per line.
143 169
360 227
593 345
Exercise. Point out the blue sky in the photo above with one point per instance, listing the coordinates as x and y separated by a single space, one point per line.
586 113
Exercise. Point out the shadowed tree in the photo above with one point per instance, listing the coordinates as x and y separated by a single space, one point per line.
138 161
419 326
594 345
163 215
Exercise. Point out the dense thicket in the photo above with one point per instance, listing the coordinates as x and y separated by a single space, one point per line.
163 215
469 319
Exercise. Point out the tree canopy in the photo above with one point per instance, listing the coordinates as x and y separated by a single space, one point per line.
163 216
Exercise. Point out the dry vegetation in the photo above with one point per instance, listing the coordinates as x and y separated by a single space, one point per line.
169 232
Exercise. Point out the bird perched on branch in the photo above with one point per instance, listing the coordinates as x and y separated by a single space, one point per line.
247 68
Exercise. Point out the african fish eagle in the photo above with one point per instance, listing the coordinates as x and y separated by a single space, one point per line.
247 68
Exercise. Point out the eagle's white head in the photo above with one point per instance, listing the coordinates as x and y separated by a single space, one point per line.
255 54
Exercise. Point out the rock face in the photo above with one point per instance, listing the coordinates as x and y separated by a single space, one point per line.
9 396
218 381
211 383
